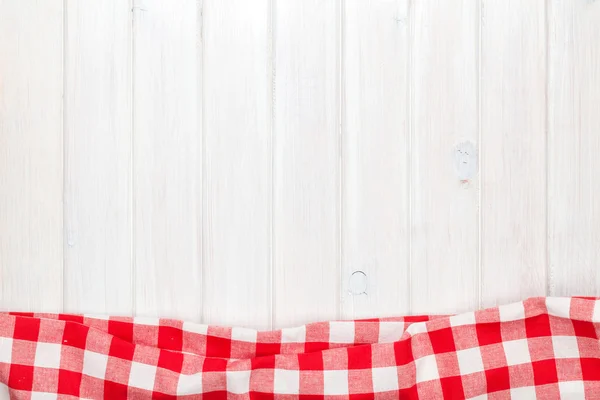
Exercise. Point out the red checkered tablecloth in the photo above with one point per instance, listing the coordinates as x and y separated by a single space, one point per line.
544 348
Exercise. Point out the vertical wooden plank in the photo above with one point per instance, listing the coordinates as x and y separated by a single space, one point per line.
167 159
98 157
237 130
375 159
573 148
513 150
31 155
444 191
306 165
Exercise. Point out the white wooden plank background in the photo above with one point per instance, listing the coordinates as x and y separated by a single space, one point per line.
98 185
167 154
375 159
306 188
573 144
238 97
274 162
31 154
513 151
444 213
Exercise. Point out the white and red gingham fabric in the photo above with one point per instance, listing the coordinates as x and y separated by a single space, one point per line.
543 348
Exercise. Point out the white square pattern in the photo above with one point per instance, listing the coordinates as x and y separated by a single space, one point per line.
385 379
516 351
286 381
596 313
94 364
238 382
146 321
6 350
571 390
142 376
195 328
524 393
427 369
189 384
293 335
341 332
390 331
43 396
511 312
97 316
335 382
463 319
469 361
47 355
559 306
244 335
565 347
4 392
416 328
480 397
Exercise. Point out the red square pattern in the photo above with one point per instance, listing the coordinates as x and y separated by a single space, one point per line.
26 329
121 349
489 333
21 377
442 341
122 330
171 360
497 379
538 326
75 335
452 387
109 357
359 357
69 382
170 338
218 347
113 390
544 372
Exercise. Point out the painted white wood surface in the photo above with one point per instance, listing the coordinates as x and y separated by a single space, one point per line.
98 151
306 188
573 147
167 159
31 154
513 150
237 122
444 115
236 162
375 155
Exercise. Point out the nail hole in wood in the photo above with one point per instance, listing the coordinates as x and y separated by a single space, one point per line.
358 283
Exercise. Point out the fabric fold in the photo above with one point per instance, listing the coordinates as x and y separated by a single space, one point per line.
540 347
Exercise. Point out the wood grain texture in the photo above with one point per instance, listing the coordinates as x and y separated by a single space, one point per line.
98 150
444 220
167 159
306 165
31 155
375 232
513 150
237 147
446 150
573 148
